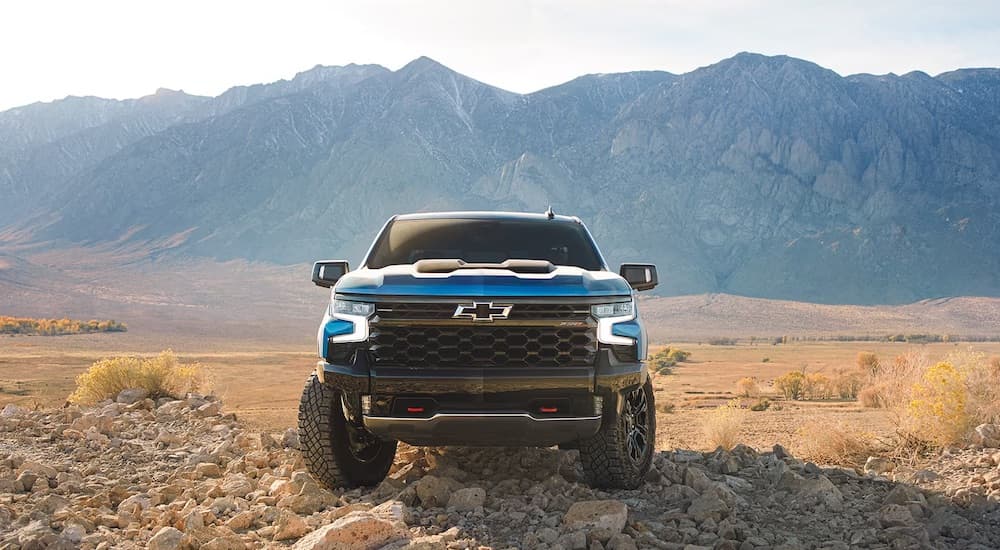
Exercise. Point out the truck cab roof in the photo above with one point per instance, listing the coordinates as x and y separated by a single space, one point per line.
485 215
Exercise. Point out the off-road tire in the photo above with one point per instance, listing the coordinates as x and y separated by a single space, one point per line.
605 456
324 442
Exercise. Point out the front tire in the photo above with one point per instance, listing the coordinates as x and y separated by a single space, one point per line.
620 454
338 453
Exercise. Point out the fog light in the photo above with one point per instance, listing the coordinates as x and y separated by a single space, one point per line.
598 405
366 404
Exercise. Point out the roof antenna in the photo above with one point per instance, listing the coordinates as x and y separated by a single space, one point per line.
549 213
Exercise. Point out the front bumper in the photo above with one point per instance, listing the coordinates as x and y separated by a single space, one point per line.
487 406
483 429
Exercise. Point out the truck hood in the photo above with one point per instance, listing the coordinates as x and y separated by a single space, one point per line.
404 280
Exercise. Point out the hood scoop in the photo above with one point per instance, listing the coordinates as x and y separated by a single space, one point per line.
516 266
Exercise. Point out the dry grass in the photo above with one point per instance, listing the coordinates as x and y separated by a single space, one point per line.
722 425
160 376
748 386
868 362
836 443
846 384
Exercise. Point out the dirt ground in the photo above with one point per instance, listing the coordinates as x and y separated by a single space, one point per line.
261 382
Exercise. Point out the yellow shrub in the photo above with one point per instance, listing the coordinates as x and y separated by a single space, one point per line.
54 327
938 410
160 376
817 386
748 387
722 425
792 384
982 378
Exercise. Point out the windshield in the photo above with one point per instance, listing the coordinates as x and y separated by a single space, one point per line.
485 241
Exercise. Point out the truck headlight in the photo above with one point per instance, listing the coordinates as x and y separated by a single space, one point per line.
608 315
351 307
616 309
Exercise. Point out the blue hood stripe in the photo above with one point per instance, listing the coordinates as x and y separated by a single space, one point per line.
481 285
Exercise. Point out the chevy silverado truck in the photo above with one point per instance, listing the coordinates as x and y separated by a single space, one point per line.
480 329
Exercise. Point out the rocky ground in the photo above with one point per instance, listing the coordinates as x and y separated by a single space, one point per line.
183 474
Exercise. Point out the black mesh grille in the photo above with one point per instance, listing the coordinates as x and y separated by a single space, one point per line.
418 311
483 346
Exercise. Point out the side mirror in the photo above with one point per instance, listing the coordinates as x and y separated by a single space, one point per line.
639 276
327 272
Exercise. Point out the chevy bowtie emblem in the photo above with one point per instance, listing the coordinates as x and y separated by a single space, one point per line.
485 312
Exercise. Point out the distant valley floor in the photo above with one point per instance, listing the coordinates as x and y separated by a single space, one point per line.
210 304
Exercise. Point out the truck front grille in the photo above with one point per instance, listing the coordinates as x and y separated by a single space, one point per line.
519 312
482 346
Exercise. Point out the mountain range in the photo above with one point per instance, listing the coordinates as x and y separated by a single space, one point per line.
764 176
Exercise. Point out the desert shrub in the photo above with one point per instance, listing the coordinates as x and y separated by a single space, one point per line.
890 386
868 362
840 444
938 411
677 355
846 384
668 357
935 404
765 360
661 360
722 425
760 405
792 384
817 386
982 380
160 376
748 387
56 327
873 397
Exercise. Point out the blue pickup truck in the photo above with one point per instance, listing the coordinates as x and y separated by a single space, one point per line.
480 329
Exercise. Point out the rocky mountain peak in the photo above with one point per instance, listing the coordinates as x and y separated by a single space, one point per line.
759 175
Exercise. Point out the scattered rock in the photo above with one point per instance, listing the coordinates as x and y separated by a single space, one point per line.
357 530
289 526
182 475
290 439
987 435
167 538
466 500
707 506
434 491
878 465
11 410
131 396
603 518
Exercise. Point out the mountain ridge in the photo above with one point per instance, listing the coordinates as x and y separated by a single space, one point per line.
758 175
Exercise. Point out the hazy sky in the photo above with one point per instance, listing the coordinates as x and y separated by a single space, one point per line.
51 48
